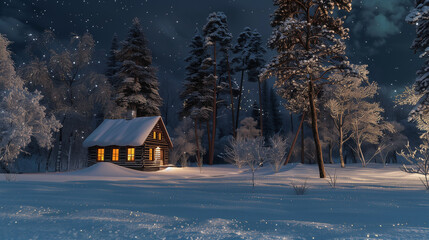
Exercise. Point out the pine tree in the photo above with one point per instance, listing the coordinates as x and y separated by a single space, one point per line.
216 33
256 63
113 63
22 117
308 38
197 94
419 16
139 86
240 61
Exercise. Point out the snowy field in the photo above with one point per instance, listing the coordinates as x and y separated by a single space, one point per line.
110 202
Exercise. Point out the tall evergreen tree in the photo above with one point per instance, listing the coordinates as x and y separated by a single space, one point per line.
419 16
240 62
216 33
139 83
197 94
112 62
308 38
256 63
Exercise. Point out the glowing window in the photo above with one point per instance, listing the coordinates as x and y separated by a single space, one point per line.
150 154
100 154
115 154
131 154
159 136
154 135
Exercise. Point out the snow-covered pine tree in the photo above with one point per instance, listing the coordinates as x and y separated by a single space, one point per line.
139 86
197 94
419 16
112 62
216 33
22 117
308 38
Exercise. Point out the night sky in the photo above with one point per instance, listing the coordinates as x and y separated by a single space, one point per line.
379 36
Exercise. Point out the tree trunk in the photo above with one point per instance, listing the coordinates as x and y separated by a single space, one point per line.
234 132
198 144
260 109
331 161
302 144
71 142
294 140
291 121
211 149
239 100
319 155
59 153
340 142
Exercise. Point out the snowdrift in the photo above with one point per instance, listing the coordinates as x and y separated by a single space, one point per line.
105 169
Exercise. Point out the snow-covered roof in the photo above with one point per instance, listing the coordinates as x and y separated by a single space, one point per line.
122 132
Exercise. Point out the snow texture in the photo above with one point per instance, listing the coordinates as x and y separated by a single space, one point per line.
106 201
121 132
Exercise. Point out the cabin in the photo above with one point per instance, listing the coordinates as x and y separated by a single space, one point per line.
140 143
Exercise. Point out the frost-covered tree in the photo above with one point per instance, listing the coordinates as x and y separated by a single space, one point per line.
75 94
277 151
248 152
185 143
22 117
218 37
391 142
341 99
139 87
419 16
356 116
112 63
308 38
248 129
197 94
419 160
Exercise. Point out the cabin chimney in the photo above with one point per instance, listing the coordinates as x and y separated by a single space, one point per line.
131 113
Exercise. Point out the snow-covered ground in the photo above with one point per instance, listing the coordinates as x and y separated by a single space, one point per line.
110 202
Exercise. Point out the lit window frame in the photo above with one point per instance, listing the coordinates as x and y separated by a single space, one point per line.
150 154
115 154
131 154
100 155
159 136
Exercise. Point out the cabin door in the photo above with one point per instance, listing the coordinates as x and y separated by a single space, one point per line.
158 156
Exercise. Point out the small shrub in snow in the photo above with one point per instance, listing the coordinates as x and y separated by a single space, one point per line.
332 179
10 177
245 152
300 189
419 160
